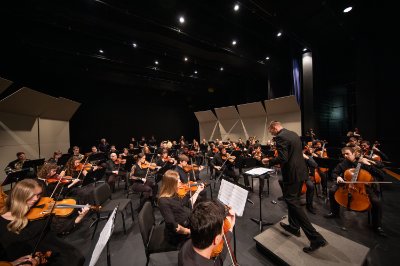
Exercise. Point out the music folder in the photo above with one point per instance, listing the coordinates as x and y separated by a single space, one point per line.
233 196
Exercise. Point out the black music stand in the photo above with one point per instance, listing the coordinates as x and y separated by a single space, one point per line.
260 221
14 177
34 164
63 159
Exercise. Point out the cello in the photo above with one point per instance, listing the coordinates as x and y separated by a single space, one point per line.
353 194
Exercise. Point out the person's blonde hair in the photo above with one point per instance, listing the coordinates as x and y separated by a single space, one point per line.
169 184
16 204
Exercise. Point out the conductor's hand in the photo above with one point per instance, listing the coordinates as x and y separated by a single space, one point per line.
231 217
339 179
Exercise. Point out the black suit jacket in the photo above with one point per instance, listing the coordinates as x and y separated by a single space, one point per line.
290 157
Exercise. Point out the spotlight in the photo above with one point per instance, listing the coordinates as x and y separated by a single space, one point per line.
181 19
236 7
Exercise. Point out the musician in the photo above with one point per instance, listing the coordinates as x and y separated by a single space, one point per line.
210 155
311 165
174 209
17 164
139 177
71 163
206 228
258 155
104 146
222 163
373 153
113 149
183 162
203 146
166 163
18 236
115 169
352 158
294 172
152 141
54 159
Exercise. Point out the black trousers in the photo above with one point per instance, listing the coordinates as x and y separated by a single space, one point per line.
376 205
296 215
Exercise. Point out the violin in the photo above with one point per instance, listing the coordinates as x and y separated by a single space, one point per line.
190 167
218 249
62 208
120 161
41 256
168 159
190 186
82 166
228 157
61 179
147 165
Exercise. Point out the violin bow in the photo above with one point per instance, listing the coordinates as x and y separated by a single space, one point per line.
227 157
231 255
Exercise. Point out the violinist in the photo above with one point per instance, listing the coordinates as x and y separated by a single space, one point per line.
113 149
210 155
311 165
71 163
352 158
222 163
104 146
318 150
115 168
139 177
206 229
54 159
48 178
174 209
203 146
166 162
18 236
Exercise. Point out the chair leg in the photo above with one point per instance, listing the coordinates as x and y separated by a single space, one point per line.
133 218
95 225
147 258
268 185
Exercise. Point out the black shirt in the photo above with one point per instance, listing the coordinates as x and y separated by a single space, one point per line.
188 257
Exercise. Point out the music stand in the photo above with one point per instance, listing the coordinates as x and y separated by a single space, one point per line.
259 221
14 177
63 159
34 164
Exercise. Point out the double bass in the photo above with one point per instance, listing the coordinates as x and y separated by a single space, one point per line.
353 195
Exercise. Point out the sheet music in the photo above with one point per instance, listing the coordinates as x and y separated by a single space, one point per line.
259 171
104 237
233 196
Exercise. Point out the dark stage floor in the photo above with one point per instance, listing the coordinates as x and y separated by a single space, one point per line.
129 250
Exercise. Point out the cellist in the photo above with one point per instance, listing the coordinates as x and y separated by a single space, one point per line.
352 158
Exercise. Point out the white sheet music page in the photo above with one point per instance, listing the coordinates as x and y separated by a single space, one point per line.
233 196
104 236
259 171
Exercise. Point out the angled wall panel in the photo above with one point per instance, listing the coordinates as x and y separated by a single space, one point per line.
54 135
253 119
287 111
229 123
208 125
60 109
4 84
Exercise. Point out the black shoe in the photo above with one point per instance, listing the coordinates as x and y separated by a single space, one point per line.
290 229
315 246
311 209
380 231
280 198
331 215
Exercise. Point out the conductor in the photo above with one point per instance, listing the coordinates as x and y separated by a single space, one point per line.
294 172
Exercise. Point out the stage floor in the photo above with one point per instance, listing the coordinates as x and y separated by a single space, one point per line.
287 249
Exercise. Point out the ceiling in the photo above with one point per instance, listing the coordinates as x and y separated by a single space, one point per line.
54 46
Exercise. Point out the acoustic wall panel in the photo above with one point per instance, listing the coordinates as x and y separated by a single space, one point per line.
229 123
208 125
60 109
4 84
253 118
54 135
287 111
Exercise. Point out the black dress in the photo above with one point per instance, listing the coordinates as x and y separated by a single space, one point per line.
18 245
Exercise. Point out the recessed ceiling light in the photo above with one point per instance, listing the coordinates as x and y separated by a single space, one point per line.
221 69
267 58
134 45
156 62
195 71
234 42
347 9
185 59
181 19
101 51
305 49
279 34
236 7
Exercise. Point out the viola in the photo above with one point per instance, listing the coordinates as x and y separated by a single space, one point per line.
190 167
218 249
190 186
61 179
147 165
62 208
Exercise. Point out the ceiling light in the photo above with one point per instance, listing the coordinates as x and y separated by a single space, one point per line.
101 51
267 58
305 49
134 45
186 59
195 71
236 7
279 34
221 69
234 42
347 9
181 19
156 62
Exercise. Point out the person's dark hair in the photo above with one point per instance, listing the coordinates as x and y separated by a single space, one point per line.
20 153
205 223
183 157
